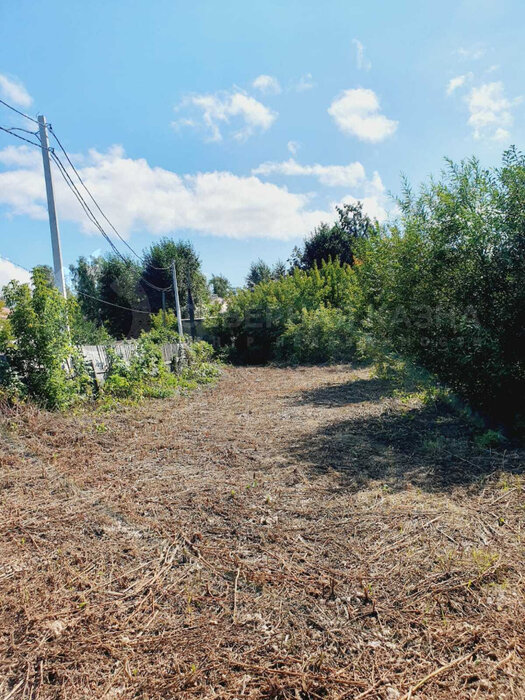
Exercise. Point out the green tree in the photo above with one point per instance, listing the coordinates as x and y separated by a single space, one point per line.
157 271
120 289
257 317
278 270
46 273
85 275
38 344
259 272
335 242
220 286
107 288
444 286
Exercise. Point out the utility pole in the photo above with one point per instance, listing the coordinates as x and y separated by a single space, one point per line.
191 308
53 221
164 306
176 294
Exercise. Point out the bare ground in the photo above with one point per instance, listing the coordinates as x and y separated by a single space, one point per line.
287 533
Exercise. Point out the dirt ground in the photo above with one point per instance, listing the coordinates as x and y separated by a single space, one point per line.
286 533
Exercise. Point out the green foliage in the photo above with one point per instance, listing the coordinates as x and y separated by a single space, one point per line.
146 375
262 272
259 272
220 286
188 267
164 327
337 242
43 364
83 330
489 439
256 318
116 283
108 287
445 287
319 335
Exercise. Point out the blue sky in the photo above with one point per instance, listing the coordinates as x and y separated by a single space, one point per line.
239 125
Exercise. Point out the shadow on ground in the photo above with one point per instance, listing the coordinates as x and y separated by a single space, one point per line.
430 446
356 391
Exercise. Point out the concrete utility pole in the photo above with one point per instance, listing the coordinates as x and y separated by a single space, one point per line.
191 308
176 293
53 221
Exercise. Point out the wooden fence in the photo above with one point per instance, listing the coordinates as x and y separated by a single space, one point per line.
96 356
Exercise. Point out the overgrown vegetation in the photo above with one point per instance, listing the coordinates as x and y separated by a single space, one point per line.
257 318
442 285
42 361
110 288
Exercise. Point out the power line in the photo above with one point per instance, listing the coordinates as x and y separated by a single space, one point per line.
118 306
83 204
89 193
96 203
89 213
22 114
22 138
81 200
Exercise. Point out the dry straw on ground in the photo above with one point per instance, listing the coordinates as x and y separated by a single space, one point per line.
288 533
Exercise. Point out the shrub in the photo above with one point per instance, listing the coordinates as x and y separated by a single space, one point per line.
43 364
146 375
320 335
256 318
444 285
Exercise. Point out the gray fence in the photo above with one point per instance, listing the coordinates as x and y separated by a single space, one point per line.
96 356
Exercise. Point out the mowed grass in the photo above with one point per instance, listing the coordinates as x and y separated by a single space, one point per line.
286 533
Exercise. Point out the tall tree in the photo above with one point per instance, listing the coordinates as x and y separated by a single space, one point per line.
85 275
337 241
220 286
259 272
107 288
157 271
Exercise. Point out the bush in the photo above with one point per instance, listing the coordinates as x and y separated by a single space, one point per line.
43 364
146 375
256 318
444 286
320 335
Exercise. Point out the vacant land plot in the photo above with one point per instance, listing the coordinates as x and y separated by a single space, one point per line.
287 533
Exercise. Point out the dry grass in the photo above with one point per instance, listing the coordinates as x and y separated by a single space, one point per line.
288 533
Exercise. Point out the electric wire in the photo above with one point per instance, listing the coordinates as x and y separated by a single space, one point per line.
69 182
22 138
118 306
91 216
22 114
63 171
95 201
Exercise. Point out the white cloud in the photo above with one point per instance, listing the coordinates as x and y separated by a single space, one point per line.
457 82
373 199
9 271
330 175
234 108
12 90
490 111
371 192
474 53
363 63
304 83
357 112
20 156
293 147
139 197
267 84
